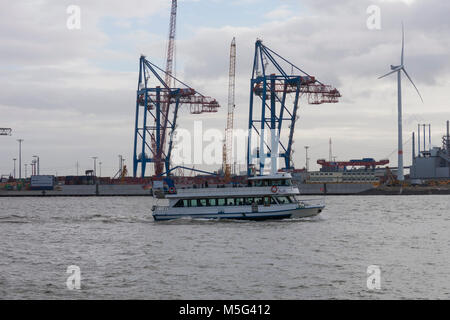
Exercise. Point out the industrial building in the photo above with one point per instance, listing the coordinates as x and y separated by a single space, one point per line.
432 162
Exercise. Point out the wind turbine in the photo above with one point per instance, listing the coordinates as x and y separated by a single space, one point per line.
399 70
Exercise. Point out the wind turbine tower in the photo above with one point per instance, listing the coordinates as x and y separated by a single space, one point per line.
398 70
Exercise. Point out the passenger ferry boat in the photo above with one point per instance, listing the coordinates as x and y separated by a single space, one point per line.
265 197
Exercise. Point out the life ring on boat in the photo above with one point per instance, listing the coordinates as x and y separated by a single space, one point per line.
171 190
274 189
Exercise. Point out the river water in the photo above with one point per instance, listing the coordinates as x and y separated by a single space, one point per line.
123 254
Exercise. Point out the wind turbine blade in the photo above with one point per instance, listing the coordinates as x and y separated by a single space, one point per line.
403 42
406 73
387 74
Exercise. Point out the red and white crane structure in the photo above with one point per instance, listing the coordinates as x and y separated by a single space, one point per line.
228 147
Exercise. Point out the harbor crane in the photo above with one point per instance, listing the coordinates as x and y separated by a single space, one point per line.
279 94
159 96
228 146
152 93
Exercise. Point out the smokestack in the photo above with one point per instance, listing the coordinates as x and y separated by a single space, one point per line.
429 136
418 138
330 153
448 138
413 147
424 141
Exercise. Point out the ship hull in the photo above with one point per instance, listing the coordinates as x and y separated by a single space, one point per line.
258 216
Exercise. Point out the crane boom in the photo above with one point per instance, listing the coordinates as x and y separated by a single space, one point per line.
171 44
159 164
231 96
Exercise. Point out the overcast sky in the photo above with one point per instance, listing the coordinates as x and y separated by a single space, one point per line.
70 94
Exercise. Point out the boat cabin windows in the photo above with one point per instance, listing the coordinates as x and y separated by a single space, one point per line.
238 201
284 200
230 201
182 203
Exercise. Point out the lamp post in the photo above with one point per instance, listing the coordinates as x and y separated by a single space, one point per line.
307 159
14 176
20 157
95 165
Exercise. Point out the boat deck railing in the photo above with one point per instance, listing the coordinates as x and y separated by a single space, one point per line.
257 191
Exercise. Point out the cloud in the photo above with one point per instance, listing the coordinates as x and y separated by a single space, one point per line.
281 12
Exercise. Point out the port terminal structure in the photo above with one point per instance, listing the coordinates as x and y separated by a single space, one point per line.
432 162
368 163
275 92
153 120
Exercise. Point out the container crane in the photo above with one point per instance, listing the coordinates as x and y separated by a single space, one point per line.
152 94
228 146
272 85
158 103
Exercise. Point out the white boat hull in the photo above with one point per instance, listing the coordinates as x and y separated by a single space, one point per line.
302 212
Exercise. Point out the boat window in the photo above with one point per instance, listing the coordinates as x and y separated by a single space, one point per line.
212 202
179 204
267 201
230 201
202 202
288 182
248 201
258 200
257 183
284 200
221 201
193 203
272 200
277 182
239 201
